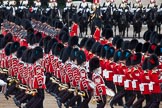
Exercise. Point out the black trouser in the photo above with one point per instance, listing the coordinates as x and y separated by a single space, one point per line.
148 100
102 103
118 96
73 100
86 100
131 96
155 100
140 99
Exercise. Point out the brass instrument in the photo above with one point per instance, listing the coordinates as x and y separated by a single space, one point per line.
54 80
3 71
23 87
63 87
32 92
81 93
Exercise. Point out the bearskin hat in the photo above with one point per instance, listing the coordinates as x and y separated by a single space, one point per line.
65 37
73 54
81 57
125 45
110 52
14 47
119 43
139 47
26 57
73 41
59 25
37 53
158 50
30 39
46 40
104 49
117 55
30 31
82 42
6 39
136 58
94 63
41 42
108 33
57 49
145 47
133 44
7 49
89 43
115 39
20 51
125 55
153 62
61 53
38 37
145 64
49 45
147 35
98 49
128 60
153 37
66 54
94 46
152 48
98 22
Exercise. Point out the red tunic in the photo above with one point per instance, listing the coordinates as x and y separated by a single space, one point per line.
96 34
74 30
154 78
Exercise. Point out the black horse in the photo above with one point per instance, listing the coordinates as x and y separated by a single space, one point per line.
137 24
83 21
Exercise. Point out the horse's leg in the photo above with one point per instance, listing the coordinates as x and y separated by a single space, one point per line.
127 31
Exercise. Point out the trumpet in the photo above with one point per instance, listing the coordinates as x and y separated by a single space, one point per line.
63 87
81 93
23 87
31 92
3 71
54 80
